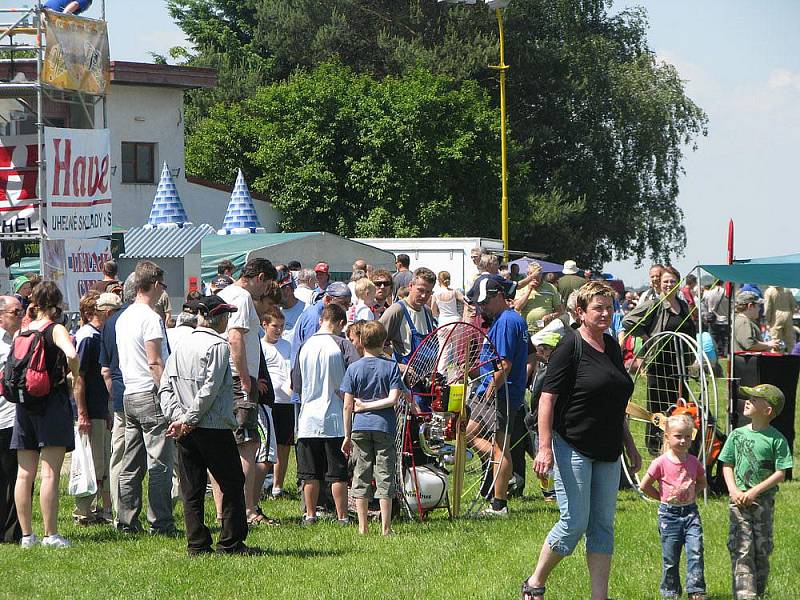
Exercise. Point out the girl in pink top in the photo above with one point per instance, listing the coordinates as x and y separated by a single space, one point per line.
680 476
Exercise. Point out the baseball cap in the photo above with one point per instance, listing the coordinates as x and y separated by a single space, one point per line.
210 306
321 267
570 267
108 301
744 298
19 282
551 338
285 278
772 394
487 286
221 282
337 289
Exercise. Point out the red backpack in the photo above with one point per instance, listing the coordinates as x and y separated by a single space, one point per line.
25 379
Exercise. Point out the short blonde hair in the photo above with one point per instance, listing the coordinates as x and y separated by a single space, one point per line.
364 287
591 289
534 268
682 421
444 278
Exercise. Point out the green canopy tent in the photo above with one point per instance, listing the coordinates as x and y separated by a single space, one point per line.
782 271
308 247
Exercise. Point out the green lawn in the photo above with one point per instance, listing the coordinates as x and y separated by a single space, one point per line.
438 559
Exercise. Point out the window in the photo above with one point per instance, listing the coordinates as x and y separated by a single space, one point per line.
138 162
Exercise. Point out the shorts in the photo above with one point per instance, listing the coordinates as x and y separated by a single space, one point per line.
375 460
283 417
494 417
51 426
321 458
268 451
245 408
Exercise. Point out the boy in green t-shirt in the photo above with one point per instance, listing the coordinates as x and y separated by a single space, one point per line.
755 459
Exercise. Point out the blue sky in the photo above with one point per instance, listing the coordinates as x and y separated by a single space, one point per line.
741 63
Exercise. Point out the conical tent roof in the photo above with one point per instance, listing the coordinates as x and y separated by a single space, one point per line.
167 206
241 215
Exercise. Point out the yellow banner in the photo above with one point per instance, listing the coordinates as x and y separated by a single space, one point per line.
77 54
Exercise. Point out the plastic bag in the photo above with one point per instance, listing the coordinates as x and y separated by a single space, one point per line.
82 478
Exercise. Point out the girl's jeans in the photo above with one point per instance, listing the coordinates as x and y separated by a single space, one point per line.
680 526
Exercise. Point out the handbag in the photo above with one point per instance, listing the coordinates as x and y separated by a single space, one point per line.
82 478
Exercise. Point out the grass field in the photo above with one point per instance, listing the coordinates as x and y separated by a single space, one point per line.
438 559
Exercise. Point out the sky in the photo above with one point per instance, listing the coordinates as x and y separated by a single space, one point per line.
741 63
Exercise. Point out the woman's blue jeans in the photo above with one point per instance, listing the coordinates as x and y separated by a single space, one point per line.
679 526
586 491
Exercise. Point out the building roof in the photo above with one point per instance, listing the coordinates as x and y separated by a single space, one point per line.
135 73
141 242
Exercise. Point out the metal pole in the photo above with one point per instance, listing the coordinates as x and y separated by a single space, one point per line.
503 67
40 187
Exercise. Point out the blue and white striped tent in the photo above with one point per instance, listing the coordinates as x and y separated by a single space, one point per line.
241 216
167 208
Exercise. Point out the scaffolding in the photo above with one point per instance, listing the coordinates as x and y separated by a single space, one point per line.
22 47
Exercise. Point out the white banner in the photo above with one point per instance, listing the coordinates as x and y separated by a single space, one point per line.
75 266
19 203
78 183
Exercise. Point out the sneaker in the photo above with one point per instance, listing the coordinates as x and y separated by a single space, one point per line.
278 493
343 522
29 541
308 521
491 512
103 516
55 541
83 521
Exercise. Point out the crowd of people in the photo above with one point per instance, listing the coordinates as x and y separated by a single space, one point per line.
275 356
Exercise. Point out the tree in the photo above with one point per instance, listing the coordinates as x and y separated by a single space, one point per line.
598 125
341 152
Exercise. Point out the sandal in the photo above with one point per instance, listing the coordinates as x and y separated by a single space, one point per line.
259 518
528 591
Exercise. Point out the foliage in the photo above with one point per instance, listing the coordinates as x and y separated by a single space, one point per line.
342 152
598 125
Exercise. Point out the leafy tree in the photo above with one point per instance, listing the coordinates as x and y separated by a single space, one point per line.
598 126
342 152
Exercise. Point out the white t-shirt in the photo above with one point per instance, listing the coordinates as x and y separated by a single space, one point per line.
305 294
246 319
291 315
322 409
137 325
279 367
362 312
8 410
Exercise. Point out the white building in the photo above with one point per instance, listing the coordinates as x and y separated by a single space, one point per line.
145 114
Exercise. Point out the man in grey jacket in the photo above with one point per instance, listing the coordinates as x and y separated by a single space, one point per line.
196 396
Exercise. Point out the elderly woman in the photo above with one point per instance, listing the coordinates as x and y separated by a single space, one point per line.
669 312
536 300
582 431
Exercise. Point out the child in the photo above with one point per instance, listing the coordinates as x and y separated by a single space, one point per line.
372 388
277 352
755 458
362 309
680 476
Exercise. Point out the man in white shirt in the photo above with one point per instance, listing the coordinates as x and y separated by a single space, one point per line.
10 532
243 329
142 348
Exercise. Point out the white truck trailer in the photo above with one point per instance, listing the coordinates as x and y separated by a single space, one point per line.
439 254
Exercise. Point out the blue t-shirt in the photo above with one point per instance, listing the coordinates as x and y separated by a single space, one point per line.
87 340
60 5
368 379
509 335
307 325
109 358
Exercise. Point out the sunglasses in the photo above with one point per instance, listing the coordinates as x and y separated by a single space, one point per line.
162 284
17 311
382 283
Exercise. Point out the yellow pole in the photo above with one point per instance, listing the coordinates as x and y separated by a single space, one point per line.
503 67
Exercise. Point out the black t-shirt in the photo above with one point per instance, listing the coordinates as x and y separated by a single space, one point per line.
590 409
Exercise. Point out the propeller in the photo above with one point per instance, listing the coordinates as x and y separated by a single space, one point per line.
658 419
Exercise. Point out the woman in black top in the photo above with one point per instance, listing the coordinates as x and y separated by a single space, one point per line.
582 430
669 312
45 430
